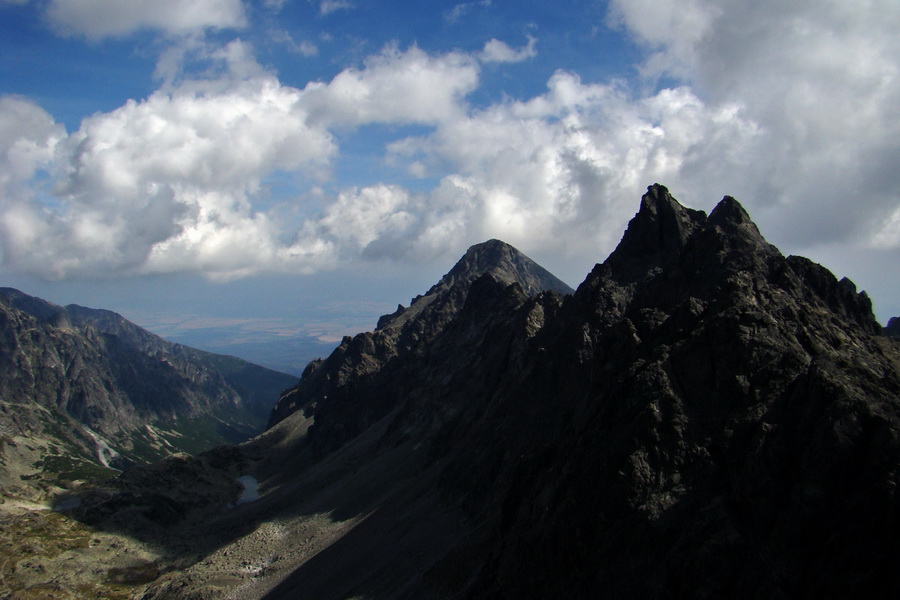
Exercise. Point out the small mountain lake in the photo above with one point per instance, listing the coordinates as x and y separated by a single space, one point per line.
251 489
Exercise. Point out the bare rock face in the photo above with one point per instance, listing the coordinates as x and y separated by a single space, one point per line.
344 377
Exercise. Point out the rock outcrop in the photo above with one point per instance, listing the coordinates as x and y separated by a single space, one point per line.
893 327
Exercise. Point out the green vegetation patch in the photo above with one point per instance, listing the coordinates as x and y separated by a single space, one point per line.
189 435
73 468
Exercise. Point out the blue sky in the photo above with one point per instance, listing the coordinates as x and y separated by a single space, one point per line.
227 172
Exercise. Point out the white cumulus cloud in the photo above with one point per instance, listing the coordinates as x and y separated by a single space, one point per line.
28 138
395 86
496 51
175 182
96 19
790 108
559 173
459 11
166 184
820 80
365 221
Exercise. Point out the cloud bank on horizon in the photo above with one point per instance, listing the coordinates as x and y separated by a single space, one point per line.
790 107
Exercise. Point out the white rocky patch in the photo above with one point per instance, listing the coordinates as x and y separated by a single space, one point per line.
104 452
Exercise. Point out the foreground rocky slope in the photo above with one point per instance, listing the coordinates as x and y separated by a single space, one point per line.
84 389
702 418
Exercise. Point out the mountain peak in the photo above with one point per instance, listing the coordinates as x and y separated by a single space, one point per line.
654 236
731 217
36 307
656 194
505 263
494 257
893 328
729 209
411 329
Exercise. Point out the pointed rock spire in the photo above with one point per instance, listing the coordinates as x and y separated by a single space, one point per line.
731 217
654 236
506 264
729 210
732 240
893 328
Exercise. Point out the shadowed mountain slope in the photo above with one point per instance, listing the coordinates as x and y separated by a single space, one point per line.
703 418
345 374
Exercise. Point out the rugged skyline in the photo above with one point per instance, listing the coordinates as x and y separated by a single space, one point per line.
169 163
700 409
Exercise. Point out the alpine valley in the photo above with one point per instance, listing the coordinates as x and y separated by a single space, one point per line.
84 394
702 418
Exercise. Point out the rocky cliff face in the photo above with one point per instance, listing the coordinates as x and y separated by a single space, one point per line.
346 377
93 389
703 417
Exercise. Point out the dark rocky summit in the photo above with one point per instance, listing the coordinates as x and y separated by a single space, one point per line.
82 389
702 418
893 327
405 333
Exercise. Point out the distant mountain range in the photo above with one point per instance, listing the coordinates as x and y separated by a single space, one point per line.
702 418
82 390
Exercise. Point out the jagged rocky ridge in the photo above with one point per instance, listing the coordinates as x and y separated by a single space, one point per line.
92 388
408 332
703 417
